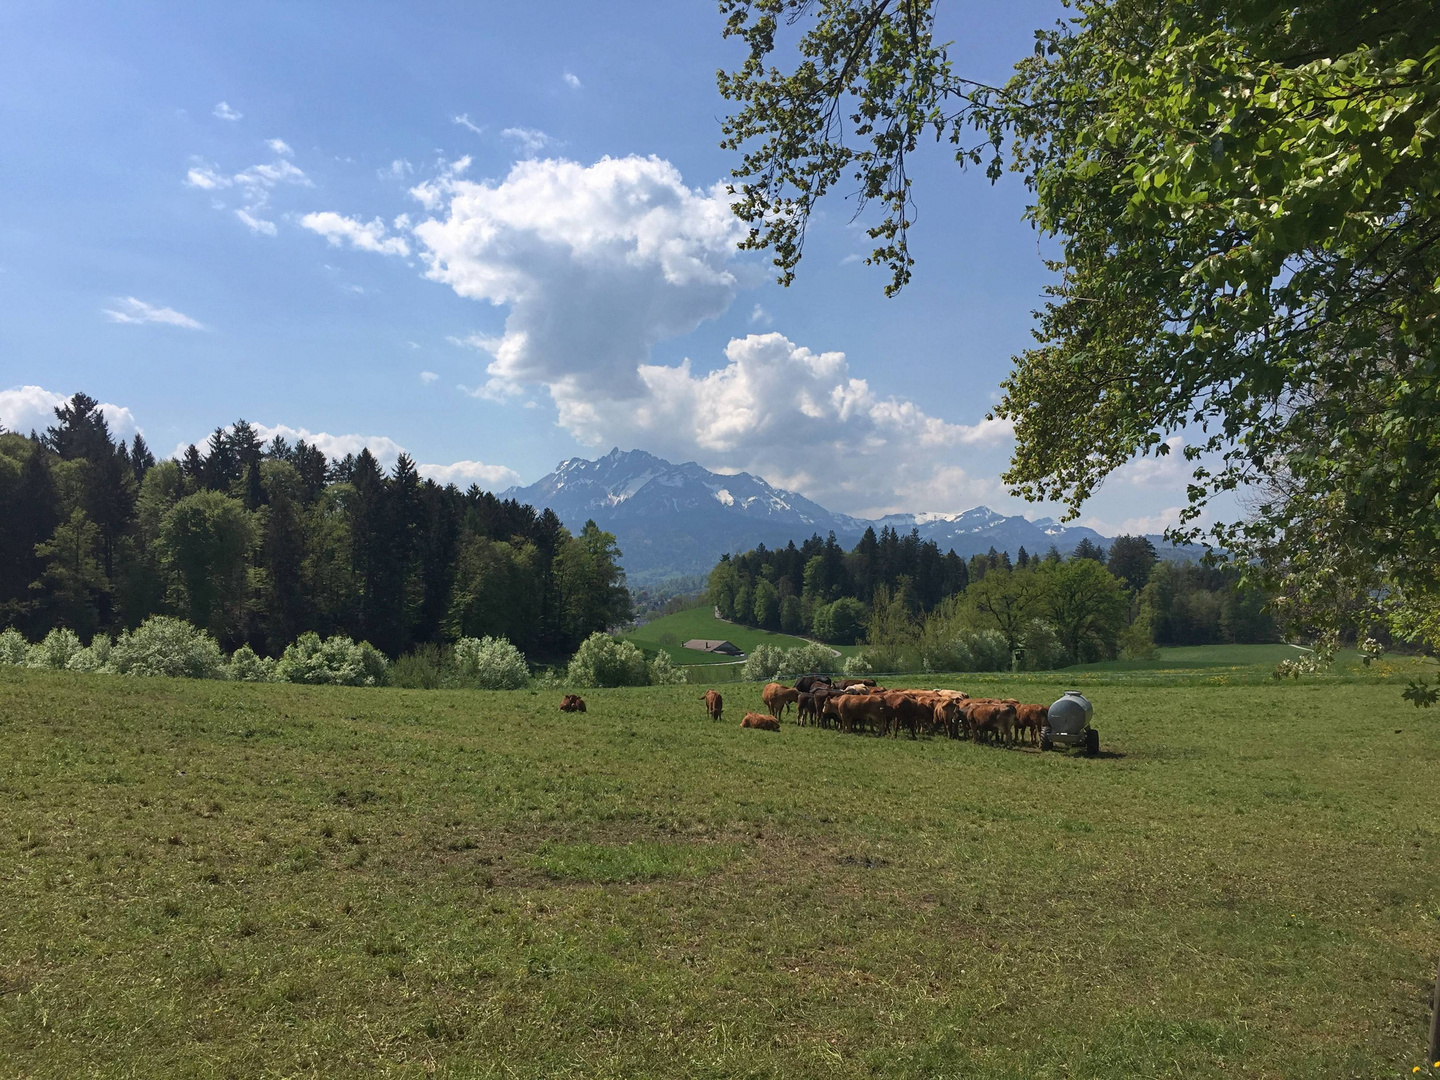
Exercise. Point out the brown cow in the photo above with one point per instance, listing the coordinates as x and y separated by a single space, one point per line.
855 711
806 684
761 721
845 684
1029 719
572 703
911 709
990 718
778 697
808 705
713 703
948 717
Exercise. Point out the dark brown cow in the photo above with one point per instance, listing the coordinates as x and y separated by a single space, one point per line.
760 721
806 684
913 710
778 697
845 684
807 705
572 703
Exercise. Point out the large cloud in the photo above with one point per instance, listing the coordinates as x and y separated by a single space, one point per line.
32 408
800 419
596 263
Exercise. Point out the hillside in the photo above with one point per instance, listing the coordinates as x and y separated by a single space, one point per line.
669 634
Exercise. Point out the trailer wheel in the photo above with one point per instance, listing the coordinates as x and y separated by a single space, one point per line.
1092 742
1046 743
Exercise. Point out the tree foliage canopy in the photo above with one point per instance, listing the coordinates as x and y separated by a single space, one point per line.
1245 200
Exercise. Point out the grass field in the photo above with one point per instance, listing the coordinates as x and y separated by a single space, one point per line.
669 633
220 880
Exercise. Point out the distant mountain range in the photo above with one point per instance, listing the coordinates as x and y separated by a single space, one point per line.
672 520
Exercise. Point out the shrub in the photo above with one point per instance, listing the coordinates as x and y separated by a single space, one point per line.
162 645
947 654
335 661
94 657
665 673
1044 650
13 647
247 666
858 665
426 667
805 659
55 651
491 663
989 648
603 660
763 663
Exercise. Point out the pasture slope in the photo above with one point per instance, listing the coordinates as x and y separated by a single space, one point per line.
670 632
211 879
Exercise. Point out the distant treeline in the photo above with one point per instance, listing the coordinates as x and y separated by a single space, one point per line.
261 543
891 586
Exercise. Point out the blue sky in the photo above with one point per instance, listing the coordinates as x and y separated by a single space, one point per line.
490 234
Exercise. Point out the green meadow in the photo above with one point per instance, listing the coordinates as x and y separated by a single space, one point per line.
207 879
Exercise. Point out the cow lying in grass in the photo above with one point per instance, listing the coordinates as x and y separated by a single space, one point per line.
760 721
572 703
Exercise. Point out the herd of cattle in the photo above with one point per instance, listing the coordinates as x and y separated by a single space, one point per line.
859 705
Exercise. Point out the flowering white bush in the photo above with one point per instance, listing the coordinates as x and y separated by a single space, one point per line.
808 659
245 665
603 660
13 647
858 665
763 663
162 645
55 651
336 661
94 657
491 663
665 673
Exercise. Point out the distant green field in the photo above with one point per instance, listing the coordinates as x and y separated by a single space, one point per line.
228 880
669 634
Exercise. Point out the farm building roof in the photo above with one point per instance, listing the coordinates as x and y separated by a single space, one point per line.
707 645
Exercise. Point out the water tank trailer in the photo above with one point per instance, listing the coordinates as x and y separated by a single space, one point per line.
1068 724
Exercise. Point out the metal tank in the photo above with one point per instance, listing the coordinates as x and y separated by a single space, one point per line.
1068 723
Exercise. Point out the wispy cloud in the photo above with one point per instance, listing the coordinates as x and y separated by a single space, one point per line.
225 112
572 80
760 317
530 140
256 224
428 377
130 310
367 236
279 146
398 169
464 121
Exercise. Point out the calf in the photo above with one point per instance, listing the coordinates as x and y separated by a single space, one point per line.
807 705
760 721
713 703
778 697
572 703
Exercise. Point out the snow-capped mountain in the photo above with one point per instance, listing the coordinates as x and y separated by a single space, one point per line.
679 519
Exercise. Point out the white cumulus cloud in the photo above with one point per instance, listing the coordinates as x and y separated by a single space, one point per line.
279 146
225 112
130 310
367 236
32 408
596 263
428 377
572 80
464 473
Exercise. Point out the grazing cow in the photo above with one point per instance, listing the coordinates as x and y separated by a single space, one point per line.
854 712
778 697
1029 719
911 709
806 684
713 703
948 717
991 719
572 703
761 721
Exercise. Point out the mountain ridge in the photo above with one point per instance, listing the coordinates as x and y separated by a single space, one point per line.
676 519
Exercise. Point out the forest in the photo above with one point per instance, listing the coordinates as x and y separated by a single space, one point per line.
910 604
260 543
